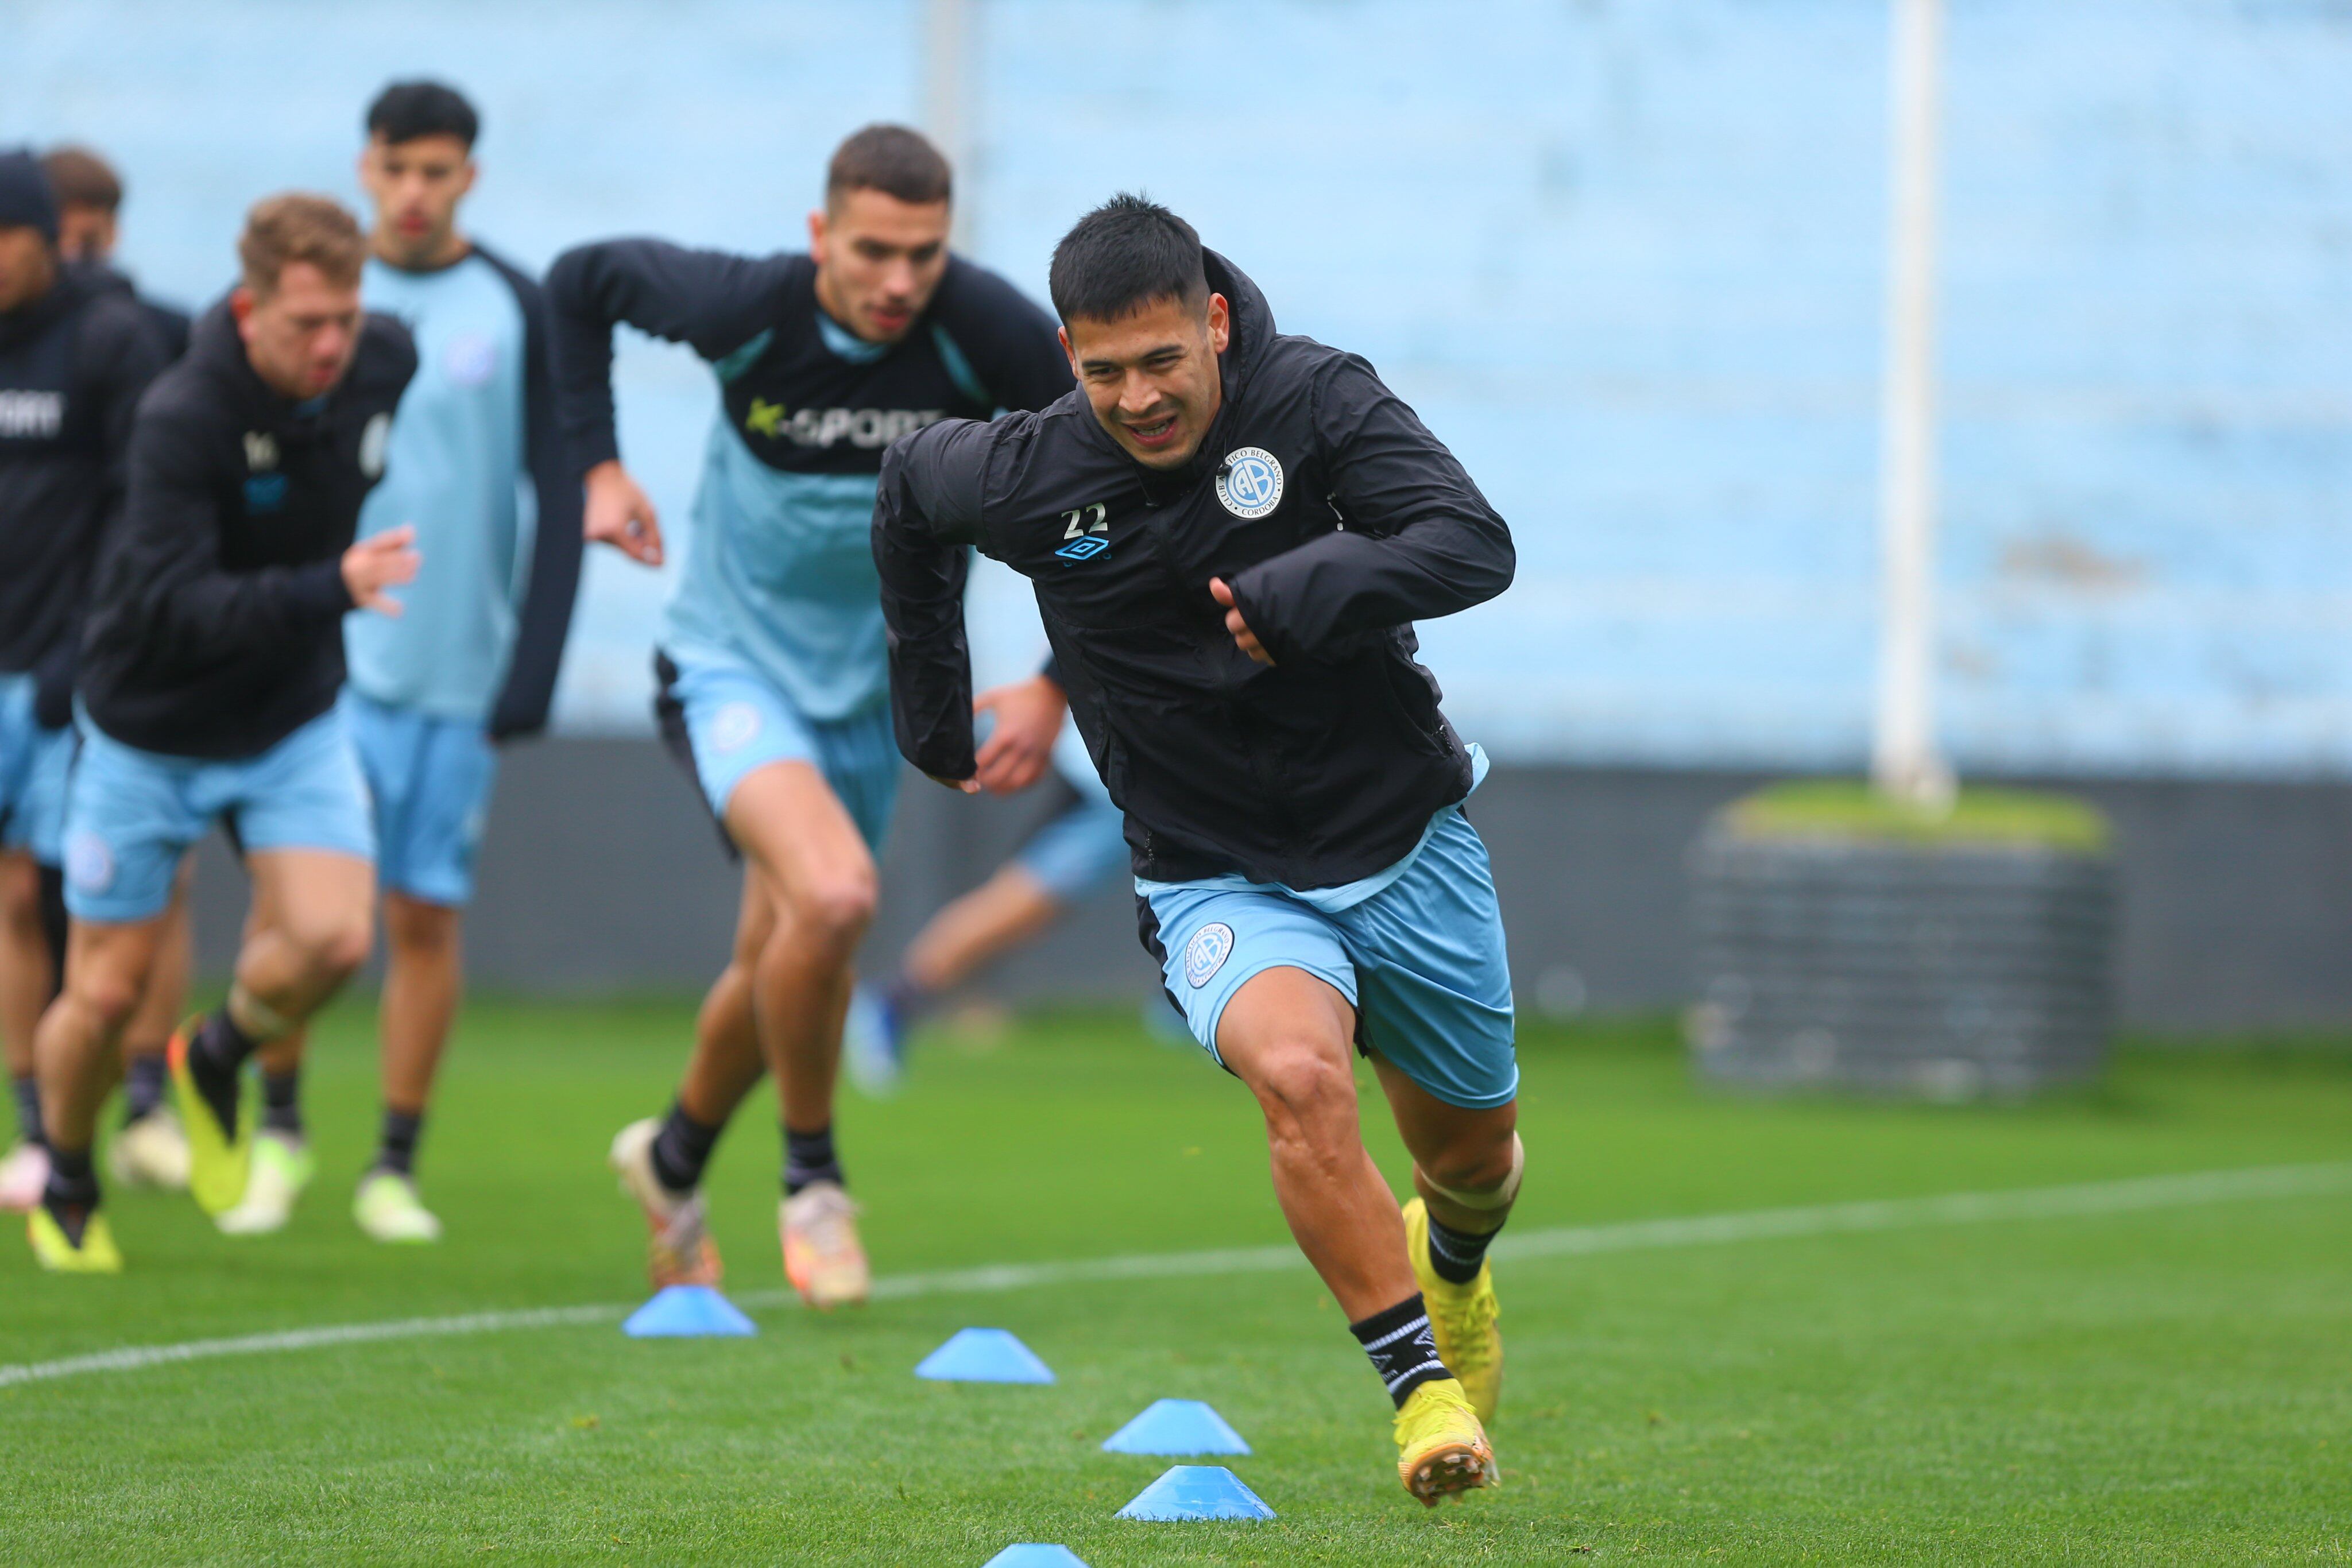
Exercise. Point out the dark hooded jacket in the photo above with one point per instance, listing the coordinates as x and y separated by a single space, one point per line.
216 619
72 366
1338 520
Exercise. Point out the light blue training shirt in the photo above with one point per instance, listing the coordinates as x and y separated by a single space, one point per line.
454 468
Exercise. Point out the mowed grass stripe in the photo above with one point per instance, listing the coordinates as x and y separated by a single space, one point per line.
2083 1199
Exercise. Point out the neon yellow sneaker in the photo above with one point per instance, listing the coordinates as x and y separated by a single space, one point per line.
220 1159
678 1248
822 1257
1461 1317
281 1169
150 1151
58 1253
1442 1451
387 1207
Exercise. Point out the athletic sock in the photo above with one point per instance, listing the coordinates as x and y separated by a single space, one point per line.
1403 1348
1455 1255
683 1149
906 1001
809 1157
27 1090
396 1152
71 1196
143 1082
281 1108
215 1057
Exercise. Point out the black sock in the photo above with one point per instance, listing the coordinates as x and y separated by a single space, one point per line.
71 1196
281 1109
1403 1351
397 1152
1456 1254
683 1149
143 1082
809 1156
215 1057
27 1090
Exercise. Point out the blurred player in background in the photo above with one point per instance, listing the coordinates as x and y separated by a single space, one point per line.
474 459
74 358
1079 848
150 1149
1230 535
208 686
774 678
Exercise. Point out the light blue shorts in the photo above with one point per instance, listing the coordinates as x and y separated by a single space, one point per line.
724 719
429 779
132 814
34 765
1080 846
1421 961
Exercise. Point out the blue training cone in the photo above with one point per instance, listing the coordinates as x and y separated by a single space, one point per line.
984 1356
1028 1554
1173 1427
1197 1491
688 1311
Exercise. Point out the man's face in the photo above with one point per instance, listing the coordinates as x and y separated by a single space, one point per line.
416 186
27 267
85 233
1151 375
878 261
302 334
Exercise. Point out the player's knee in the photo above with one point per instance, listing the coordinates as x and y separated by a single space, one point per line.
334 950
1304 1087
106 997
836 909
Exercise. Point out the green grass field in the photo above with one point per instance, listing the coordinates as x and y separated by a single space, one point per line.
2172 1382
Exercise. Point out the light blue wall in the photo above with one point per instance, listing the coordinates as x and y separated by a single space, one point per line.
1625 257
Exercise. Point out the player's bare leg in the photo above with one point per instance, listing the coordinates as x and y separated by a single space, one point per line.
26 967
423 978
1289 1036
150 1149
78 1048
821 882
661 1162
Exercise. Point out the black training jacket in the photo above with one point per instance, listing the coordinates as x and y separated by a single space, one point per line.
1337 518
170 324
72 365
799 407
216 621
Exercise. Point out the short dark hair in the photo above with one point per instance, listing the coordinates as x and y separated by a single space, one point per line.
405 111
81 178
1122 256
892 159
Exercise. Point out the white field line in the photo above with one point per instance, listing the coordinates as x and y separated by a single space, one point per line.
2085 1198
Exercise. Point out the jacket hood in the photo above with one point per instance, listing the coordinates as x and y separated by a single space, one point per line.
26 322
1252 319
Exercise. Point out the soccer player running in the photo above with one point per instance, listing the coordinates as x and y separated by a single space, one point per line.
430 691
208 681
74 358
1230 533
149 1149
774 678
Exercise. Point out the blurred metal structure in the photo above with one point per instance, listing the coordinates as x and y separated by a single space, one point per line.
946 95
1906 761
1948 972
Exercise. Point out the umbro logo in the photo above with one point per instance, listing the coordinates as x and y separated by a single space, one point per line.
1087 529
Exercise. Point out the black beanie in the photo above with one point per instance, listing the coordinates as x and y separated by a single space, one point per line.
25 201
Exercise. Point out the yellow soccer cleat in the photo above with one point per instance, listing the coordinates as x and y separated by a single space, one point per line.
281 1168
220 1159
822 1257
1461 1317
678 1249
1442 1451
58 1253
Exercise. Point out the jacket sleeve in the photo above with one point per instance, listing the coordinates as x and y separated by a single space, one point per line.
169 556
926 511
1418 540
708 299
554 580
122 354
